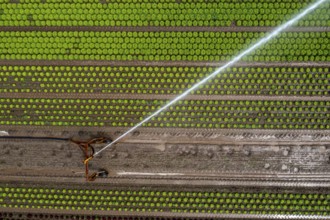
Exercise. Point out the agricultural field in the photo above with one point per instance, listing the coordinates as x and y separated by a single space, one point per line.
256 81
172 201
190 113
161 46
165 13
251 143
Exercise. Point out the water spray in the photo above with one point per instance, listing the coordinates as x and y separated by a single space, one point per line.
258 44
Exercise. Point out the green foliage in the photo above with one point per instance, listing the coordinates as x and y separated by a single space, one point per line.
160 80
187 114
158 46
165 13
171 201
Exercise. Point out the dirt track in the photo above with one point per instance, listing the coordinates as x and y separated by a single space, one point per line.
195 156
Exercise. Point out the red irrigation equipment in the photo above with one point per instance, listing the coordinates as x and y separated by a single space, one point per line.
88 150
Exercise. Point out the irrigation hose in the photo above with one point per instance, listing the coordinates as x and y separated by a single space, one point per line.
34 138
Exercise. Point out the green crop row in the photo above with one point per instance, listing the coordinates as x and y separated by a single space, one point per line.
148 46
171 201
269 72
162 80
187 114
219 13
219 89
147 193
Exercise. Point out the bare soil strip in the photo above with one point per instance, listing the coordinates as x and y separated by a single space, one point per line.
216 142
175 133
164 29
137 142
167 215
193 180
156 63
158 97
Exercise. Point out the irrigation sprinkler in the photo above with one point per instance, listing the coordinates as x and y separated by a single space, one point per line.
86 147
88 150
221 69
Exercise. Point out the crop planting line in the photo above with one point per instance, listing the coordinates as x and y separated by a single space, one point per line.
167 214
173 141
230 134
230 131
53 95
163 29
130 184
156 63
